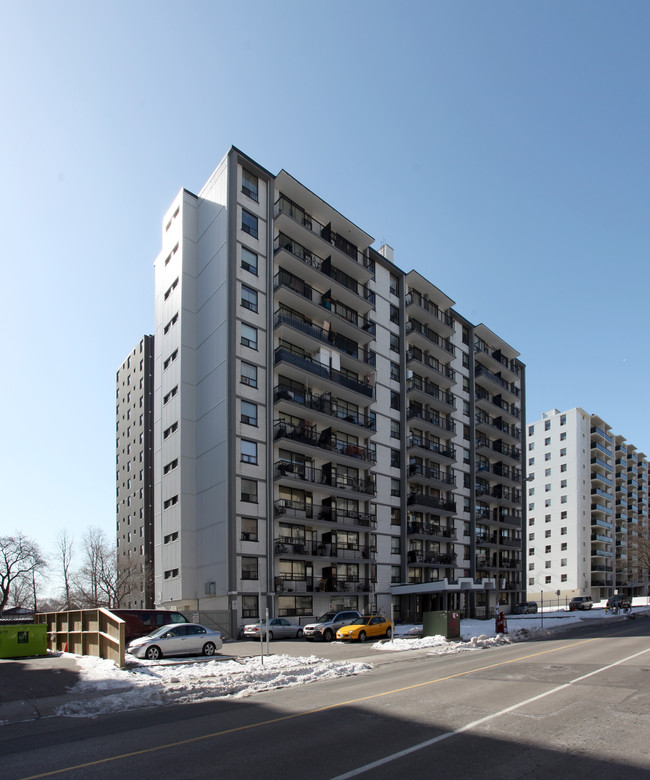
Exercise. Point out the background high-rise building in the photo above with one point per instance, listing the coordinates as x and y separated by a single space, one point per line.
134 472
329 432
587 509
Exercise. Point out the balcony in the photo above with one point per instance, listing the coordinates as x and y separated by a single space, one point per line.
328 406
485 399
324 439
496 358
322 370
444 427
414 299
304 333
427 474
484 421
430 340
443 375
325 477
430 529
286 545
431 502
308 265
497 382
313 233
430 394
431 447
434 558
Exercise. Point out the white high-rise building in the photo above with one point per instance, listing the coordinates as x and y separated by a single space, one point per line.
587 502
329 431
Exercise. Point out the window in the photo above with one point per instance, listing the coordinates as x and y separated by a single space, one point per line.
547 456
249 529
394 429
563 499
564 546
171 538
531 506
547 441
395 516
531 461
167 398
394 314
531 446
395 459
395 487
547 472
531 551
248 336
249 491
170 324
547 564
249 225
394 342
394 400
547 425
531 580
395 545
248 298
531 430
170 466
531 566
547 518
563 436
249 606
531 521
248 413
563 419
394 284
249 568
171 288
564 515
563 467
563 562
548 549
248 451
171 573
167 363
531 537
547 487
248 374
564 577
394 371
547 533
249 185
531 491
168 431
170 502
248 260
563 452
563 531
547 580
547 502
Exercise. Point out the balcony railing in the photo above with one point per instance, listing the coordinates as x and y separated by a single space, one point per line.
324 477
416 354
288 545
481 371
324 439
413 326
414 297
427 529
421 556
418 469
428 388
325 403
430 417
431 446
422 499
321 369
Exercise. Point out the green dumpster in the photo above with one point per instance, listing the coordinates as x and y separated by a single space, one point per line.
443 623
23 639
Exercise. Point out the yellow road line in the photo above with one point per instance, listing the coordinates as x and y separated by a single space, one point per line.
282 718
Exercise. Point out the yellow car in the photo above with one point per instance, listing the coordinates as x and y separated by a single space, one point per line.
367 627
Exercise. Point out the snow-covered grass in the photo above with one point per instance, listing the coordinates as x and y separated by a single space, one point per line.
172 681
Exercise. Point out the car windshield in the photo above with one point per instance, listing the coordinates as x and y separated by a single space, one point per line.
362 621
327 617
159 631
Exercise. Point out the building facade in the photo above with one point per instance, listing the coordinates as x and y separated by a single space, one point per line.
134 474
587 509
329 432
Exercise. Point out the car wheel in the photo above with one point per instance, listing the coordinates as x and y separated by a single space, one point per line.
362 636
270 636
299 634
209 648
389 633
153 653
328 635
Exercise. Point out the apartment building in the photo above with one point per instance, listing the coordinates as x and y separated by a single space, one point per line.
134 473
329 432
587 509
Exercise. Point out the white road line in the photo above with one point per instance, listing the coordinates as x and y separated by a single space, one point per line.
475 723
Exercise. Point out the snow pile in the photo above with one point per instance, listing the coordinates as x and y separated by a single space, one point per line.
150 683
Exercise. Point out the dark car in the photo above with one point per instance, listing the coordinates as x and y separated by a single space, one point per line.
619 601
581 602
525 608
140 622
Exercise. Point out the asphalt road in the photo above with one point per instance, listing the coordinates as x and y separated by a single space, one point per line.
576 706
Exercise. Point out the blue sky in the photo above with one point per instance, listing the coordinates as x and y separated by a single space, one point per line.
501 148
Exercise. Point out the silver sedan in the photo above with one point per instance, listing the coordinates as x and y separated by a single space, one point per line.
178 639
279 628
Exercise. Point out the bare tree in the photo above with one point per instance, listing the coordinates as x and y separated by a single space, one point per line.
63 556
20 562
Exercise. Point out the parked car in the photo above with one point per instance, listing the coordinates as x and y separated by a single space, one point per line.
525 608
581 602
328 624
185 639
140 622
366 627
618 601
279 628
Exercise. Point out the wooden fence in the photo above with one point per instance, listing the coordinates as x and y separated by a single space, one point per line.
95 632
